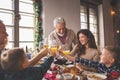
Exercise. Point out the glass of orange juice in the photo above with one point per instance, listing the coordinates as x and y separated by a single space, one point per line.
46 46
66 52
58 47
53 49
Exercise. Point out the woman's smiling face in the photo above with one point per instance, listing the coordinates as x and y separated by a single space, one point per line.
83 39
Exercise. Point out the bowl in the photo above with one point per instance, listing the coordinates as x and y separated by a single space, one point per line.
96 76
67 76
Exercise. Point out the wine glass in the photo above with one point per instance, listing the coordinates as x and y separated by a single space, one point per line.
53 45
63 50
66 52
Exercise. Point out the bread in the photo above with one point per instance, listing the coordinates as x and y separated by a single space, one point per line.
66 70
72 70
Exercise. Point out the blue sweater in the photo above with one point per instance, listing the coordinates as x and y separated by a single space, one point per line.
31 73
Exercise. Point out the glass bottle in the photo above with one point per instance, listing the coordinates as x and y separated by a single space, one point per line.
28 55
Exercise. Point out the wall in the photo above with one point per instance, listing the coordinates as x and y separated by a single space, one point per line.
101 27
108 23
69 9
116 21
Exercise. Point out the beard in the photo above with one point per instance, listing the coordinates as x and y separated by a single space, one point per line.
60 34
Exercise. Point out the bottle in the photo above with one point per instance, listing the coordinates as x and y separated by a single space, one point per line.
40 45
28 55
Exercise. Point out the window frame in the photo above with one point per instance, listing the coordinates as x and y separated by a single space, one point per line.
88 5
15 27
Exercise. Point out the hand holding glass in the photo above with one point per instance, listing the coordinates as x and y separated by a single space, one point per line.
66 52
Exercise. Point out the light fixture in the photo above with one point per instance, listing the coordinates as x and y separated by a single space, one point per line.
117 31
112 12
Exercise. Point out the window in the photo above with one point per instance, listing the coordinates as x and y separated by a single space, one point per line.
6 15
88 18
26 23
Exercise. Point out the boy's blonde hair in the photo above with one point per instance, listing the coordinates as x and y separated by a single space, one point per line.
12 60
114 51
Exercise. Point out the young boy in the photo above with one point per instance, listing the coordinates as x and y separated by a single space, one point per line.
109 62
14 61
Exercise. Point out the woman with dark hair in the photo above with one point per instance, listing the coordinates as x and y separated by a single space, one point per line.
86 47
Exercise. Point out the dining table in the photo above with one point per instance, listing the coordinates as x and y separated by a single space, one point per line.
56 73
59 65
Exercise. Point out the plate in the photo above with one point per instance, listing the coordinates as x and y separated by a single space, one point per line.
96 76
67 76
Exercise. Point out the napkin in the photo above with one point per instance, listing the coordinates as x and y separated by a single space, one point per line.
50 76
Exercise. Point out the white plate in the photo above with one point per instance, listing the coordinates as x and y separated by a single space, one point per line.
96 76
68 76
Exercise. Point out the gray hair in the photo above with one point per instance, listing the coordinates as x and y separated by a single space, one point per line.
58 20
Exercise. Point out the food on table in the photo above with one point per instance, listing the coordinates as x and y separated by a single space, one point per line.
66 70
73 70
96 76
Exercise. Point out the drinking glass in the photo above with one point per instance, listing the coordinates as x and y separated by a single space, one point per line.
53 49
66 52
53 45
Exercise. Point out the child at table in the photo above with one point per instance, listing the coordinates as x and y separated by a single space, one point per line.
109 62
14 61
